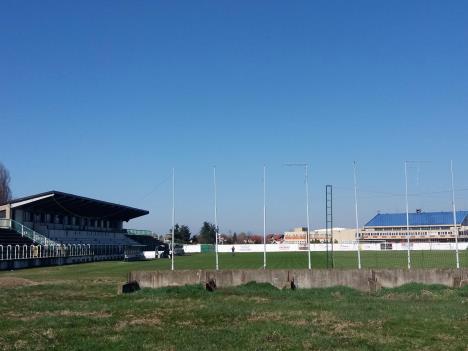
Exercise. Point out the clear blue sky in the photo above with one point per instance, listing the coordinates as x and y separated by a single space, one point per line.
103 98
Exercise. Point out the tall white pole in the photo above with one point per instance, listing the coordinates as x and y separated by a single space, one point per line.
264 217
357 218
216 216
307 210
407 215
173 217
455 228
306 171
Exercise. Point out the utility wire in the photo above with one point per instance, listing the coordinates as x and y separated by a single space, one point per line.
152 191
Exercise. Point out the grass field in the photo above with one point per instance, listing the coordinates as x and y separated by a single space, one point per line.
76 307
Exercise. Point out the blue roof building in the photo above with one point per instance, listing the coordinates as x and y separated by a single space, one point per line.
423 226
418 219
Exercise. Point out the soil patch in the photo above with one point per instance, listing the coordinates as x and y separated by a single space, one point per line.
12 282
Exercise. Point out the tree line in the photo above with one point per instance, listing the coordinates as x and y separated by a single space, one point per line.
207 235
5 191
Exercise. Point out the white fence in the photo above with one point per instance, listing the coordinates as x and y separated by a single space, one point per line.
336 247
16 252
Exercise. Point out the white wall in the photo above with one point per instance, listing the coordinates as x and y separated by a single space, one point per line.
323 247
149 254
192 248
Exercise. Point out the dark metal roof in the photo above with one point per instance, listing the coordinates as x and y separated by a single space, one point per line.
80 206
416 219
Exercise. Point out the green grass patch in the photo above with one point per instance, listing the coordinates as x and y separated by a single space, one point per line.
117 271
77 307
73 316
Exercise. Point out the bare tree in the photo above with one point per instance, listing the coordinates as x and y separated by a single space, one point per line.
5 192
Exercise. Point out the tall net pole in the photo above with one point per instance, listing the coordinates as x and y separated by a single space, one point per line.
173 218
329 222
307 210
326 221
264 217
216 217
306 174
331 228
357 216
407 215
455 226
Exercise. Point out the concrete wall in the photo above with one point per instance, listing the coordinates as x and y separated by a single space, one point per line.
364 280
6 211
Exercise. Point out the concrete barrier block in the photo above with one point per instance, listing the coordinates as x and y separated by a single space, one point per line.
364 279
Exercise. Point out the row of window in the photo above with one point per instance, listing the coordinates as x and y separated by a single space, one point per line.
409 233
413 228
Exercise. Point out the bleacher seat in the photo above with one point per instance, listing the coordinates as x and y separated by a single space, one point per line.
92 238
10 237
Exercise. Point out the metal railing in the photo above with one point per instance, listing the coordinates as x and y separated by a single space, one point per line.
18 252
29 233
44 247
139 232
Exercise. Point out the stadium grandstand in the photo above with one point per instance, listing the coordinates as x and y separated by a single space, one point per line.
423 227
55 222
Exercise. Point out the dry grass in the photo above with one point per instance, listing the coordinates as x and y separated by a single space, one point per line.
14 282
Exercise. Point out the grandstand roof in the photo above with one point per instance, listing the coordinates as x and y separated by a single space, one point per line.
75 205
416 219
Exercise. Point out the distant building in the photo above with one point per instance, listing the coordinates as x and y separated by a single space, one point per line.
423 226
299 235
340 235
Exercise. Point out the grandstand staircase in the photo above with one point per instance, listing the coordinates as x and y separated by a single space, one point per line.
11 237
13 231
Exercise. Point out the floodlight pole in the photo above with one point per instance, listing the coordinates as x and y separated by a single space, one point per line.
357 218
216 216
173 217
307 210
264 217
407 215
455 228
306 171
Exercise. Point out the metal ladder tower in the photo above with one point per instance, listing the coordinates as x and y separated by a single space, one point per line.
329 224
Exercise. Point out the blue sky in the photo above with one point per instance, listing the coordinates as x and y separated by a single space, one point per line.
103 98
